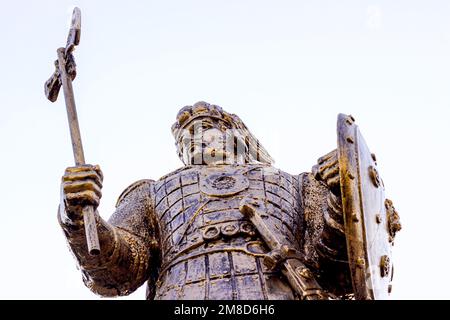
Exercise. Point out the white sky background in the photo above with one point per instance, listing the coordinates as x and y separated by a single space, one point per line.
287 68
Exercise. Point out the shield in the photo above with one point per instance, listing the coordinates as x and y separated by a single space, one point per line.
365 214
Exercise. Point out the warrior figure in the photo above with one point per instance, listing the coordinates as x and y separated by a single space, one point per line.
190 235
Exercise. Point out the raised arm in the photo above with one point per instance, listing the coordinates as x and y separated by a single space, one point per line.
128 240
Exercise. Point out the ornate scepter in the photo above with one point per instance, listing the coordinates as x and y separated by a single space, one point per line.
64 75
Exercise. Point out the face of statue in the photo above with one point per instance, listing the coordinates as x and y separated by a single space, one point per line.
206 134
209 141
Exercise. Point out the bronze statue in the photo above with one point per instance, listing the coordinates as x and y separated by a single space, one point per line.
229 225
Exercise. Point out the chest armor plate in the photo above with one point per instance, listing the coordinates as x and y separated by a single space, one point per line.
209 250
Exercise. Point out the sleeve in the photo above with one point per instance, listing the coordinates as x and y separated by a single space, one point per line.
128 242
325 243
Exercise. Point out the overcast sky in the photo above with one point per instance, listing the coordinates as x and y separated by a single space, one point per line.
287 68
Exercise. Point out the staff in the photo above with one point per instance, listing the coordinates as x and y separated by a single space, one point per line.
64 75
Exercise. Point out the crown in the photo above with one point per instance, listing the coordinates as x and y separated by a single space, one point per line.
201 110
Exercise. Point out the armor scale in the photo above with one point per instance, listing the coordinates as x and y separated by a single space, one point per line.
209 250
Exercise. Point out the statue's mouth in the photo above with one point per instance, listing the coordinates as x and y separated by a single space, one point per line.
210 155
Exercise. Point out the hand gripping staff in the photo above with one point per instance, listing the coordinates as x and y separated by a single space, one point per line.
63 76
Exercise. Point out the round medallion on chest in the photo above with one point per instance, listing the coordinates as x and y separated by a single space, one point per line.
222 183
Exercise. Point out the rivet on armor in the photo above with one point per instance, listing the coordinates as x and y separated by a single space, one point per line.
248 229
211 233
355 218
350 140
350 175
229 230
385 266
379 218
374 176
374 157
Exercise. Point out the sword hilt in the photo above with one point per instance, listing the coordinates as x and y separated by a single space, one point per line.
282 255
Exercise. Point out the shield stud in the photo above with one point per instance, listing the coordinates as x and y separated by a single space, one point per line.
366 218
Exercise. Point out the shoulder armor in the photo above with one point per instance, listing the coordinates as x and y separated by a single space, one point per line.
175 172
132 187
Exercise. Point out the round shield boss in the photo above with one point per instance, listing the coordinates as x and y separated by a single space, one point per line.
222 184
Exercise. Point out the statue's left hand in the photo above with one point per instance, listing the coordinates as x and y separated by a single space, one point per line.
327 170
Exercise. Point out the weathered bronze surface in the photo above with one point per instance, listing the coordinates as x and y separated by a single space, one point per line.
229 225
